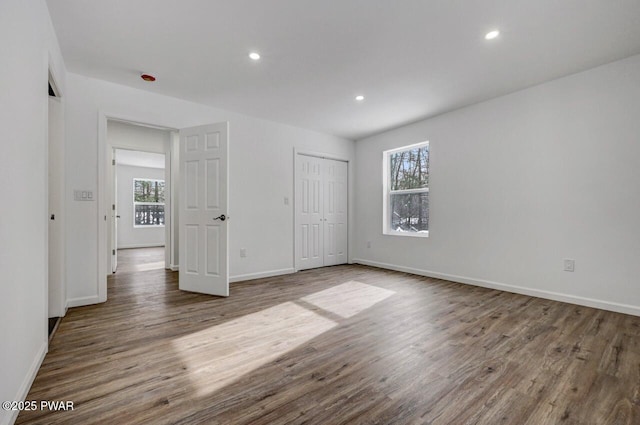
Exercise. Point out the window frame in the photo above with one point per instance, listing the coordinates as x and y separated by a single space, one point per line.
135 203
386 196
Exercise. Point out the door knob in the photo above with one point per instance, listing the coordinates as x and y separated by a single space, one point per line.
221 217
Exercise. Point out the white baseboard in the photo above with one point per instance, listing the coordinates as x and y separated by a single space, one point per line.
260 275
174 267
26 384
82 301
555 296
141 245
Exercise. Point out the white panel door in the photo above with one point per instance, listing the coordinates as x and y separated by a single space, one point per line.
57 289
335 212
309 214
114 214
203 193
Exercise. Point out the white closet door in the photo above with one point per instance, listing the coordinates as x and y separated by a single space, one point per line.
335 212
309 213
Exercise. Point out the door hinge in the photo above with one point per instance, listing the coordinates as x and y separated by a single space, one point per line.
113 252
113 162
113 207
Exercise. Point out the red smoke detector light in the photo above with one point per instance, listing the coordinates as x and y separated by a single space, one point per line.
148 77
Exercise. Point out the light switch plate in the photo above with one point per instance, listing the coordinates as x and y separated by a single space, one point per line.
83 195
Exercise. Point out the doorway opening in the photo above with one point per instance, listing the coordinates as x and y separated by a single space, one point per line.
56 276
140 194
196 200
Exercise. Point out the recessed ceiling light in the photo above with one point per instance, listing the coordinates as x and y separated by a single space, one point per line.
255 56
492 34
360 98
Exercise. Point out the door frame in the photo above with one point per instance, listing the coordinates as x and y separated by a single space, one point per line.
113 195
52 79
104 196
323 155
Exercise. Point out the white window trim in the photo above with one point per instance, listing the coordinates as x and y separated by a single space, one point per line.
386 229
145 226
405 191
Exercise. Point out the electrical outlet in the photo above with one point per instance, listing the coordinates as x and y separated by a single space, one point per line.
243 252
569 265
368 244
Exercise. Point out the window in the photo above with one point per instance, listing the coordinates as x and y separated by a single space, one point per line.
406 197
148 202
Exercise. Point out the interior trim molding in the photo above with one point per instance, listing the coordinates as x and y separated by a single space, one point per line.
174 267
260 275
141 245
554 296
23 392
82 301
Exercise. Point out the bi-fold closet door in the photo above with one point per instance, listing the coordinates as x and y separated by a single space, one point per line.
321 212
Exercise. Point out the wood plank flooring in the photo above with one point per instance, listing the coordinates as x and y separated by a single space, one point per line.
338 345
140 259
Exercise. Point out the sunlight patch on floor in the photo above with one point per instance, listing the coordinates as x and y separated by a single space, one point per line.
219 355
348 299
148 266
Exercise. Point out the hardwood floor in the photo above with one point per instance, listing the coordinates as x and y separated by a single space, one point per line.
339 345
140 259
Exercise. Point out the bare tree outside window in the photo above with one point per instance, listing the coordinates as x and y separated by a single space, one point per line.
148 202
408 190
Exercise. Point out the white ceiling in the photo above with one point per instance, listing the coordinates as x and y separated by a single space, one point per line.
410 58
139 159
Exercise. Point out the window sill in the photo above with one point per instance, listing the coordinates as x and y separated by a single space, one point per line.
409 234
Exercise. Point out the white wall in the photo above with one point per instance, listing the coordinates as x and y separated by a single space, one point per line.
128 235
261 175
27 44
136 137
520 182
